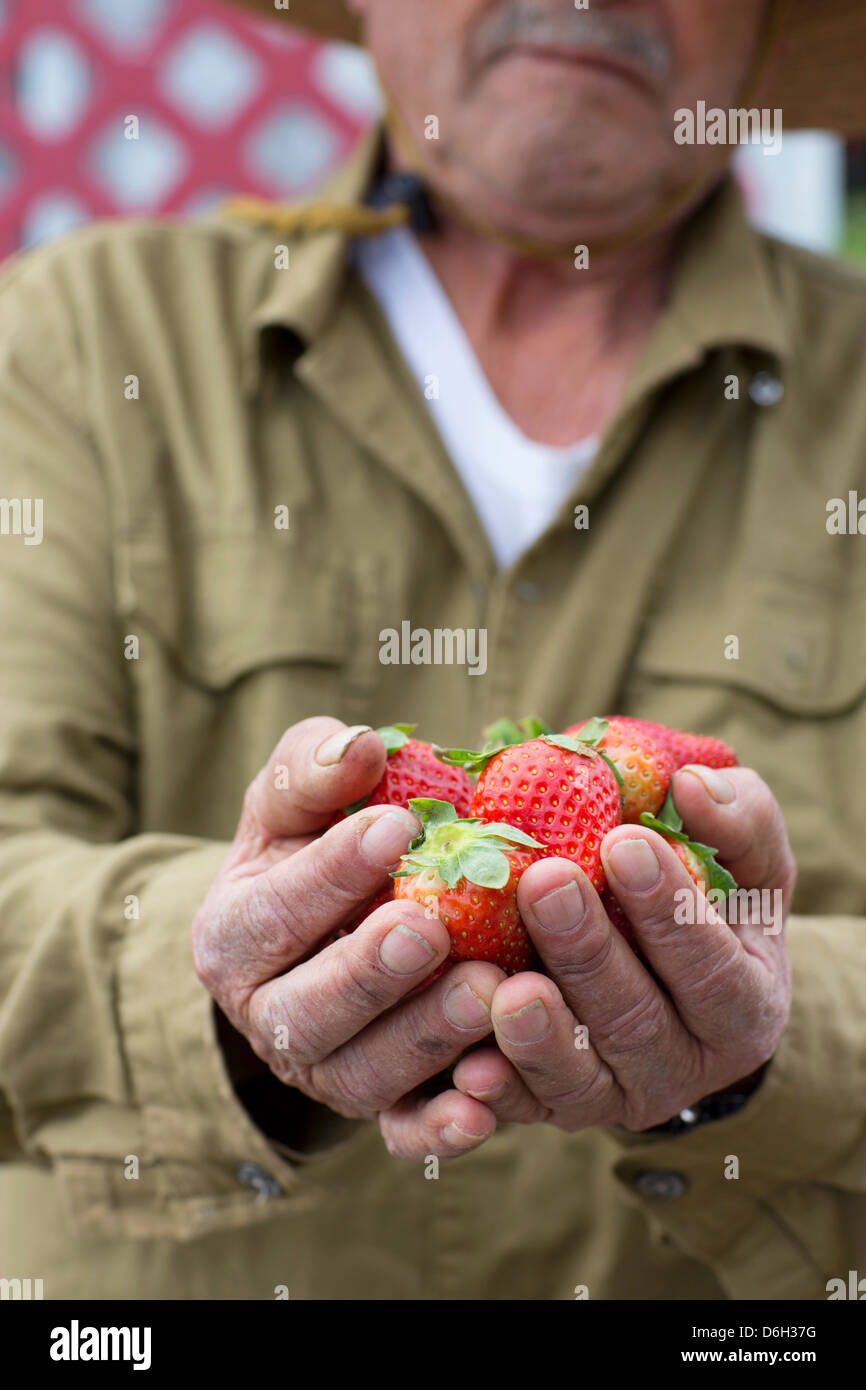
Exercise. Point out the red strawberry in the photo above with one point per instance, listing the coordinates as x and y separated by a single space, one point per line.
465 872
695 748
560 790
642 760
696 867
414 770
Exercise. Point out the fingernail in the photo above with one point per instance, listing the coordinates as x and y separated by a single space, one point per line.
634 863
388 837
404 951
459 1138
562 909
493 1094
718 787
464 1008
334 748
527 1025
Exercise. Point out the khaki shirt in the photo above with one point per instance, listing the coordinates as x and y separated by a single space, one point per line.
164 387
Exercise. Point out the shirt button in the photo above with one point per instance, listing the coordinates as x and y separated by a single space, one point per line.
660 1185
766 389
795 656
528 591
263 1184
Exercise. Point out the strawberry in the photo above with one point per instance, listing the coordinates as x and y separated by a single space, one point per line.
642 759
694 865
695 748
413 770
647 755
561 790
465 872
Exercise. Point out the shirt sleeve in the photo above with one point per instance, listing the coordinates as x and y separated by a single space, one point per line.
110 1064
774 1196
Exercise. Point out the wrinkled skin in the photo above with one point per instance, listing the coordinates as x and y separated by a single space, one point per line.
536 132
336 1024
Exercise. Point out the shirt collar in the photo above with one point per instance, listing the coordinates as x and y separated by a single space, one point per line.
723 293
724 290
302 297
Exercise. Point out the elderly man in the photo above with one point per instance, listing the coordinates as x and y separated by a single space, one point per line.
524 370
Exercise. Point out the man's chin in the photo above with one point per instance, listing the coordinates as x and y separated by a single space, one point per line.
551 157
569 207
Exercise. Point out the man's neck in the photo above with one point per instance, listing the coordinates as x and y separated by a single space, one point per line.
556 343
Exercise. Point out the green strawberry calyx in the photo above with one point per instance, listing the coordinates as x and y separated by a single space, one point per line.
501 734
590 736
469 848
470 759
669 824
504 733
527 731
393 736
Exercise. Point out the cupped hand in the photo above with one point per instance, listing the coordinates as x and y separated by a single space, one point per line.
604 1040
336 1024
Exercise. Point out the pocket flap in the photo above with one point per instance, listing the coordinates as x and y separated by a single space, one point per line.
227 604
798 648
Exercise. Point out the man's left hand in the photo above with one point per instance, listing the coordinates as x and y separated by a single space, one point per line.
601 1042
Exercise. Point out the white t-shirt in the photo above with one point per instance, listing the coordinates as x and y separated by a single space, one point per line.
516 484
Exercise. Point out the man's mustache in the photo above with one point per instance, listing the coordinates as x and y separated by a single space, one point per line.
604 31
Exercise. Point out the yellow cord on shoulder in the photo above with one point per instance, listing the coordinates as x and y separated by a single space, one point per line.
355 219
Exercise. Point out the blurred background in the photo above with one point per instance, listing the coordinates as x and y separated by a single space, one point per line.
226 104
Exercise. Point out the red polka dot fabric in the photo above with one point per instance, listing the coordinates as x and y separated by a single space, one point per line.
138 107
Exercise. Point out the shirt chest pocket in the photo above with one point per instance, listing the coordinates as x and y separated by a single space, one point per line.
790 647
230 640
779 671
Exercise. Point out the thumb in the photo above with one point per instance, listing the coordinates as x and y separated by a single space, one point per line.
734 810
319 766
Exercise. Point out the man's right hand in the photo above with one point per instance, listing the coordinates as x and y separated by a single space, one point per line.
333 1023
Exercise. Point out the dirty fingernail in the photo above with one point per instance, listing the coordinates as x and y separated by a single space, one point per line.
459 1138
718 787
527 1025
404 951
492 1092
562 909
388 837
335 747
634 864
464 1008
